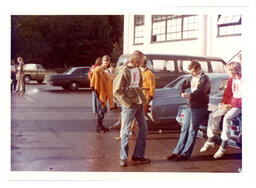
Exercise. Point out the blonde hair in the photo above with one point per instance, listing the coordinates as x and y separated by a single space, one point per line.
234 67
106 58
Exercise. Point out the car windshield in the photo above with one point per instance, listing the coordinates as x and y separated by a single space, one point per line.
70 71
176 83
219 94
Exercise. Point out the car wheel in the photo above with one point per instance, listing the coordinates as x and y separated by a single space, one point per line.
27 79
73 86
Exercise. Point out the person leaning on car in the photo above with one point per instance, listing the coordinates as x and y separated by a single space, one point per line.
198 100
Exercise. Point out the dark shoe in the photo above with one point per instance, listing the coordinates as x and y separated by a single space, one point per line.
123 162
104 128
182 158
141 160
99 130
114 108
171 156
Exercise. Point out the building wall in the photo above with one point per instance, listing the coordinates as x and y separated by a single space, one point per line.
207 44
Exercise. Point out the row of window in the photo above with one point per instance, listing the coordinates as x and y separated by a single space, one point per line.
182 27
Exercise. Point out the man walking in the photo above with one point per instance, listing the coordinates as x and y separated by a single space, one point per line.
128 92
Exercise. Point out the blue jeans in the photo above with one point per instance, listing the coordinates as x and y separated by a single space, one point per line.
94 102
128 115
191 123
100 110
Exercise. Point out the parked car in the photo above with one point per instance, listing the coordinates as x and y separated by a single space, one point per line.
167 68
164 106
35 72
72 79
235 139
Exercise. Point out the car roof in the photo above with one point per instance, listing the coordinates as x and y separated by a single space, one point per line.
80 67
178 56
212 75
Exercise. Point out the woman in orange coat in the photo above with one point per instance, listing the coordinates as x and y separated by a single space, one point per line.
100 85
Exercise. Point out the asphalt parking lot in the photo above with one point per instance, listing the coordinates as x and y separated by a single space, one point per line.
54 130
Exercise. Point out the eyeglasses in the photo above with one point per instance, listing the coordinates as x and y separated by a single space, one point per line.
105 60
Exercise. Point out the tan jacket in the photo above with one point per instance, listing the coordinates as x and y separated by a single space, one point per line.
123 93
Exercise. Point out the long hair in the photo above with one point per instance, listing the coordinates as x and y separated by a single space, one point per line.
98 61
135 56
234 67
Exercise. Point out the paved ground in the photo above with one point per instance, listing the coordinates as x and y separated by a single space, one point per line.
54 130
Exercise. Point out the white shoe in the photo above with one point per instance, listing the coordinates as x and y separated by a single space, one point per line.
219 153
207 145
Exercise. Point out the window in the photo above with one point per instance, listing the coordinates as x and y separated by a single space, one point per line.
217 66
163 65
229 25
183 65
138 29
223 85
174 27
30 67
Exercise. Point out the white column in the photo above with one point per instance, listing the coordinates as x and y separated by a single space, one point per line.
204 35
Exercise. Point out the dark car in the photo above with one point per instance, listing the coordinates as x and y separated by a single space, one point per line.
235 139
72 79
165 104
35 72
167 68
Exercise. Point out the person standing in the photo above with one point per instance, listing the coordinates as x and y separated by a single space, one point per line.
20 76
198 101
96 64
128 92
111 74
99 84
149 83
230 106
148 88
13 76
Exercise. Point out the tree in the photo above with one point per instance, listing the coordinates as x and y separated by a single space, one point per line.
55 41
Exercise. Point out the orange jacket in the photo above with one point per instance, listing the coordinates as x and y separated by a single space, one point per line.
149 83
101 84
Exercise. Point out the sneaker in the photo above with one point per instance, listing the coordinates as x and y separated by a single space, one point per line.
207 145
141 160
219 153
117 138
123 162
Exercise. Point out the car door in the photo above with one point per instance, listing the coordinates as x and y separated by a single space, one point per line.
40 73
167 101
82 77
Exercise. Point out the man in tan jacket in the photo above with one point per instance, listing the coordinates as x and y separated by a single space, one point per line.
128 92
